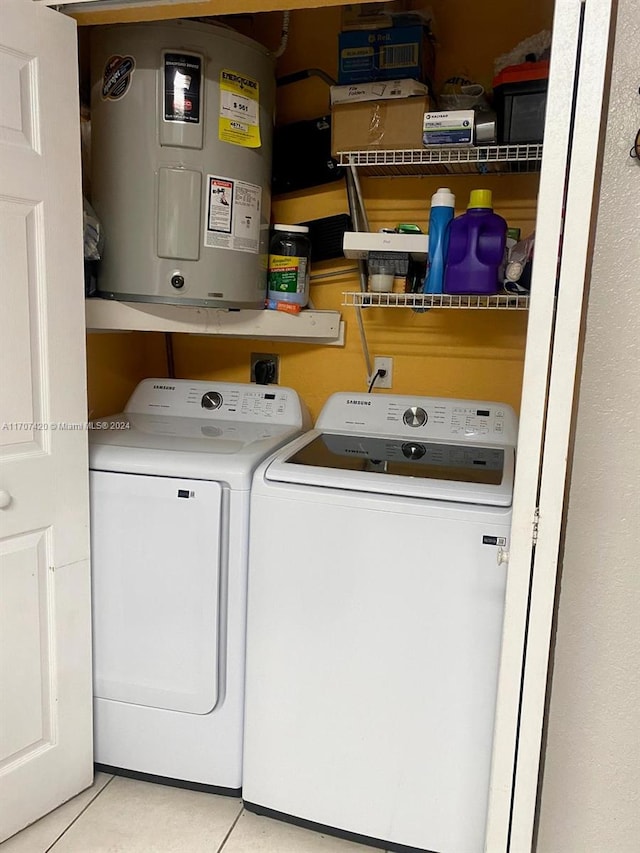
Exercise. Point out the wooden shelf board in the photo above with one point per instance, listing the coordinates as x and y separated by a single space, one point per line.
307 326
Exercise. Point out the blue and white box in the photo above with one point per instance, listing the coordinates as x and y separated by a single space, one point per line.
451 128
385 54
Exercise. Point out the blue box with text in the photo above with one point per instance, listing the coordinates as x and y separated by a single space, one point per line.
387 54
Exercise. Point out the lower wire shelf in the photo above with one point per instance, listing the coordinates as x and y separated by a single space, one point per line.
500 301
441 159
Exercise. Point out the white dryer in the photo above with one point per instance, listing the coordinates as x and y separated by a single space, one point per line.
376 596
170 481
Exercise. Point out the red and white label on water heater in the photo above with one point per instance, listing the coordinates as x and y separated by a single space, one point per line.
233 215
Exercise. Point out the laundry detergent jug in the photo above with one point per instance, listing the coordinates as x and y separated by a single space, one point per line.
476 248
443 203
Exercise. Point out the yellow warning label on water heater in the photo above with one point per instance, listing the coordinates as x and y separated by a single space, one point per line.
239 121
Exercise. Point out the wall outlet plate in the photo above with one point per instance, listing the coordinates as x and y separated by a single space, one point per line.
381 362
265 368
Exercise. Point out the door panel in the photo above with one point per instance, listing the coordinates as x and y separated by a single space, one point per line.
45 660
25 653
20 237
18 122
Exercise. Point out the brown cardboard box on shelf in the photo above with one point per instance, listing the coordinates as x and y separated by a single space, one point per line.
378 125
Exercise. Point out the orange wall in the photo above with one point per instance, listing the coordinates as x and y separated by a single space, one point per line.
458 353
116 363
447 352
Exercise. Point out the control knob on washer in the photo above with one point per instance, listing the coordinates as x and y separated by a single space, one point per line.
415 417
211 400
413 451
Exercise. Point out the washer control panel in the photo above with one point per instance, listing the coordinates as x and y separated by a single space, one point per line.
217 400
416 418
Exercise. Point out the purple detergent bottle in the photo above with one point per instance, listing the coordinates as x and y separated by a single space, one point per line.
476 248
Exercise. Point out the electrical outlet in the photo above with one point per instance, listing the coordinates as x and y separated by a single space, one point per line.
268 368
382 363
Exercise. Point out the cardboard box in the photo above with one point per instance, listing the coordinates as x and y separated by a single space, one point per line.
384 125
379 91
385 54
452 128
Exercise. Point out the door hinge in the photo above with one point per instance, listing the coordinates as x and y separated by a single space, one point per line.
536 523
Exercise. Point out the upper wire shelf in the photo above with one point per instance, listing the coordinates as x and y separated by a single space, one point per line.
504 301
488 159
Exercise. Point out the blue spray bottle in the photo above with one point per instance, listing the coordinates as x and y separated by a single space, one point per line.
443 203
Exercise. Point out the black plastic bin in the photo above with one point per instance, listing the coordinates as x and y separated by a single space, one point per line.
520 101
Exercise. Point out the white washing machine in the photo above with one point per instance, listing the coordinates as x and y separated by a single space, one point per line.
376 596
170 481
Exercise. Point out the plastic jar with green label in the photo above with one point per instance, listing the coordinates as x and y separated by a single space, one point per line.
289 253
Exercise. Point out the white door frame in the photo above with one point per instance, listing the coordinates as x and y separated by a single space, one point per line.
581 216
560 96
576 86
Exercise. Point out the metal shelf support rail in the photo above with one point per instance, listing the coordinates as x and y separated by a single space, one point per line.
500 301
471 160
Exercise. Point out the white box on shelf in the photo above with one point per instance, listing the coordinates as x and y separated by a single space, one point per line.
379 90
358 244
452 128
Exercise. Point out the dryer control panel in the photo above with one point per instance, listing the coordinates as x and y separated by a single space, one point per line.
235 401
423 417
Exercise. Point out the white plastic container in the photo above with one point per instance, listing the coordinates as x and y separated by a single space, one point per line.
381 282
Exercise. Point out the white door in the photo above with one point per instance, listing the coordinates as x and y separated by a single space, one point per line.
45 640
567 206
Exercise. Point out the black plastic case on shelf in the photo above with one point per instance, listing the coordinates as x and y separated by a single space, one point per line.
521 109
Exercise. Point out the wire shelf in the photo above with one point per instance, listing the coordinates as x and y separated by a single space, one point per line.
488 159
501 301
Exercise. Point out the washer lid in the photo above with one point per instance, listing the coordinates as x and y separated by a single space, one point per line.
449 471
184 447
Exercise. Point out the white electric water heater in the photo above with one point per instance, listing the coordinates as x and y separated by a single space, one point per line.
182 122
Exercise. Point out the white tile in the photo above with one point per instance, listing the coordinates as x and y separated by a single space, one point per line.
258 834
39 837
140 817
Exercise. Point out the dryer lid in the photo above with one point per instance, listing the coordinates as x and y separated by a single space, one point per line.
184 447
197 435
201 429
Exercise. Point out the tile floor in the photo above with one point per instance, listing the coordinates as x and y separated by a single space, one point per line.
119 815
